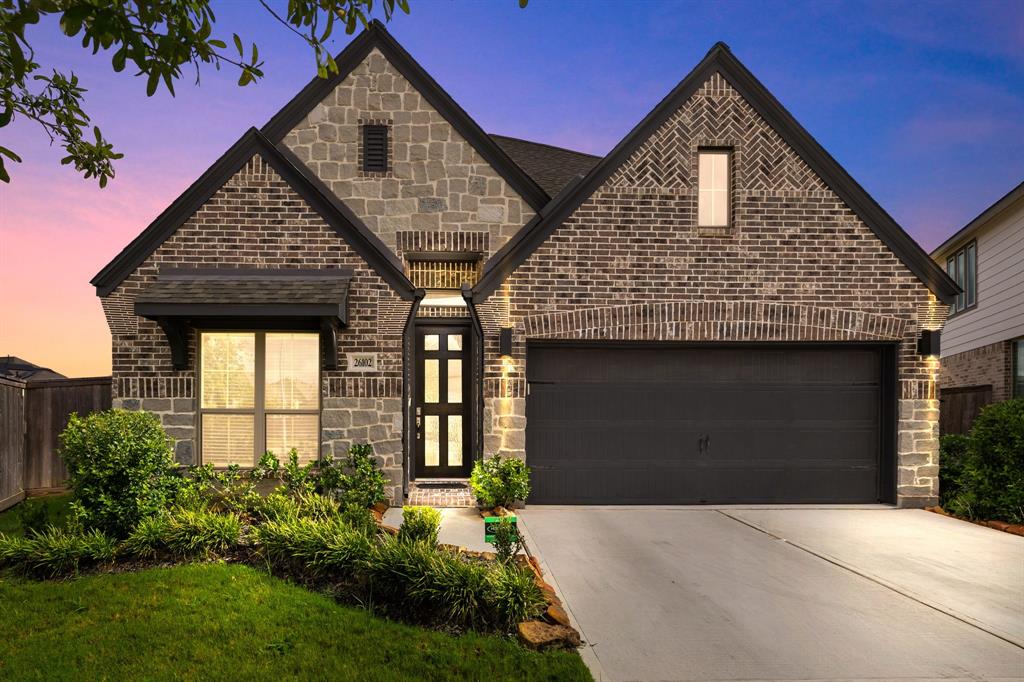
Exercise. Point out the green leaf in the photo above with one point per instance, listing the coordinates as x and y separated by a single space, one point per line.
152 83
238 45
220 44
4 151
5 116
4 177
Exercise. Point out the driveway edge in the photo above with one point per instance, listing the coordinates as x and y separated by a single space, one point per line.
899 589
587 652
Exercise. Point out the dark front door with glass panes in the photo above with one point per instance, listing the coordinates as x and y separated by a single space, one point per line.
442 401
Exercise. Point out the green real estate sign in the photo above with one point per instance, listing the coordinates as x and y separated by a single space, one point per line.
491 521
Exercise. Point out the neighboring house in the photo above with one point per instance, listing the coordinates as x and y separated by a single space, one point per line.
12 367
713 312
983 339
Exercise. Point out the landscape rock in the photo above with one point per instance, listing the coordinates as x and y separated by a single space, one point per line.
540 635
557 615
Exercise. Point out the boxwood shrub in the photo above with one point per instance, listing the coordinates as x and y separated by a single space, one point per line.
982 473
121 468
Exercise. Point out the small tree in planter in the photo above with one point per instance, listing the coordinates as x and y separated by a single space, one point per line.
500 482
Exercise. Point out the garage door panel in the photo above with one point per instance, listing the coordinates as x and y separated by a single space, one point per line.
726 425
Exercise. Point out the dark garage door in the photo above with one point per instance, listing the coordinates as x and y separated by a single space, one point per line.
649 425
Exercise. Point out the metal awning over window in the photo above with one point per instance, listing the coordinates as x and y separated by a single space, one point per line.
253 298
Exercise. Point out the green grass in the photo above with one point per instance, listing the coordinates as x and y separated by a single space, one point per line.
221 621
56 507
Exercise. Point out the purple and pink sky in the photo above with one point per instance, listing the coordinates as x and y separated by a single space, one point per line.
923 103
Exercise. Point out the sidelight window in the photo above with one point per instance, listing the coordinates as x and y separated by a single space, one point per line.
259 391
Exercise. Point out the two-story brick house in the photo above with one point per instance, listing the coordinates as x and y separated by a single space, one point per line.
713 312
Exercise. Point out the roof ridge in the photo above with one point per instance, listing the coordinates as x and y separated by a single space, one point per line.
720 60
549 146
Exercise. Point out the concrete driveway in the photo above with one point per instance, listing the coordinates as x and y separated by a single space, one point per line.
786 594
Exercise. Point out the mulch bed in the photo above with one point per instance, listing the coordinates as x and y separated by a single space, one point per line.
1014 528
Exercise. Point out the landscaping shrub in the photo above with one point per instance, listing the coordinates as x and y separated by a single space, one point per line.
450 587
989 484
57 551
454 590
121 468
33 515
953 451
507 540
298 479
364 483
515 595
420 524
499 482
185 533
318 546
360 518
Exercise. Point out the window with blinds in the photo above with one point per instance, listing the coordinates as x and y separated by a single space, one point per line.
259 391
375 148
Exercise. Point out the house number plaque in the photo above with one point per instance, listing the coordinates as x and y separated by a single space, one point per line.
362 362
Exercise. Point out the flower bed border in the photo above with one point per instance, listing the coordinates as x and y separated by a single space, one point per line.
1011 528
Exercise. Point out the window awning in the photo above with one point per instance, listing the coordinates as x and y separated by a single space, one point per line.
193 297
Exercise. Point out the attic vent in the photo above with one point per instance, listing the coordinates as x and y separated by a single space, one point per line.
437 274
375 148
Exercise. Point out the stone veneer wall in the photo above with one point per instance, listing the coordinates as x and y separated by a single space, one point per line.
258 220
796 264
436 181
990 365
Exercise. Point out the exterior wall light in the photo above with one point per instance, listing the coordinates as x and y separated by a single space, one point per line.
928 342
505 342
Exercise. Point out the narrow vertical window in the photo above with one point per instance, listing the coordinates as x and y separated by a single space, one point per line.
713 189
375 148
962 268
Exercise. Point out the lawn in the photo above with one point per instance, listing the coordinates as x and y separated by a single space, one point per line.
221 621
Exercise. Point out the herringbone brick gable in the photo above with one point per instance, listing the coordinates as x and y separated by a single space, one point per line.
715 116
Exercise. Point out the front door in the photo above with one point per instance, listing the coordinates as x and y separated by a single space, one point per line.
443 401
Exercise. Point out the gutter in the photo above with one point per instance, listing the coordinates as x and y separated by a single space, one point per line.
408 341
478 372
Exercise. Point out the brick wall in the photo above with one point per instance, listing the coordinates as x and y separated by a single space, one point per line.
258 220
990 365
436 182
796 264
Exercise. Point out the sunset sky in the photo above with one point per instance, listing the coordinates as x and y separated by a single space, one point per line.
923 103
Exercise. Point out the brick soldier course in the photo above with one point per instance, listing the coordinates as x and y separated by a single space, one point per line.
617 256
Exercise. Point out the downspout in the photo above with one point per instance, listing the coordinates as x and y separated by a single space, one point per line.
408 362
478 372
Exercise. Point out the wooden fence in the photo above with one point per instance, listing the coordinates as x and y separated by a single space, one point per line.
32 415
958 407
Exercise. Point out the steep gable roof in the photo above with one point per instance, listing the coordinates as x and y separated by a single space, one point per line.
376 36
338 216
552 167
719 59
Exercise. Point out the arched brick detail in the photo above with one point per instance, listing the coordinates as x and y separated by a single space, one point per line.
715 321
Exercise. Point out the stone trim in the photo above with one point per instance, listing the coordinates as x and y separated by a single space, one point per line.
154 387
441 311
504 387
435 240
362 387
715 321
